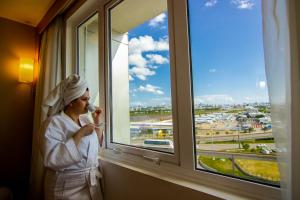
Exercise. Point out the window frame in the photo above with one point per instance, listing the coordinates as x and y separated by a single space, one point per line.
73 20
179 170
185 173
86 19
156 156
210 152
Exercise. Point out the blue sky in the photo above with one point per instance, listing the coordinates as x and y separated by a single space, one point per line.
226 50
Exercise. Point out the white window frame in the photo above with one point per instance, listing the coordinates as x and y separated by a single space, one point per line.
72 22
184 173
145 153
178 168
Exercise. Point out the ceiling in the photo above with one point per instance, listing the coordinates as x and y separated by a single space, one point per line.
28 12
140 11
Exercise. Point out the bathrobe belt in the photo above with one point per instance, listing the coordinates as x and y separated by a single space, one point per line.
91 174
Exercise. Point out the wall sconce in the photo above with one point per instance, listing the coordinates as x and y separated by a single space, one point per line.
26 70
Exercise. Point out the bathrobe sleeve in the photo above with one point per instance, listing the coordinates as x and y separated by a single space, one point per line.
59 151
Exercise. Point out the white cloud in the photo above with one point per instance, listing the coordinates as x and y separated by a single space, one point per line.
147 43
159 19
243 4
249 99
137 59
136 103
256 98
153 67
132 92
210 3
141 72
214 99
151 89
161 101
262 84
130 77
162 44
157 59
212 70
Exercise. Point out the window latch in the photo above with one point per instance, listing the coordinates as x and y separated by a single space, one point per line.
153 159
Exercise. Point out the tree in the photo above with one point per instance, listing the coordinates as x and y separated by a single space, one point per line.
251 129
149 131
259 116
245 146
264 128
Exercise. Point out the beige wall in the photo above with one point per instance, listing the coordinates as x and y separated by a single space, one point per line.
16 106
122 184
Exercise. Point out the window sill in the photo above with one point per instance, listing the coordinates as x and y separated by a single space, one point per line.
212 184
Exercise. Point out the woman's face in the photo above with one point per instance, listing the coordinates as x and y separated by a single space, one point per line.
80 105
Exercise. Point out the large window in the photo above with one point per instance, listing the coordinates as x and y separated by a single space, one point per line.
232 118
183 85
141 108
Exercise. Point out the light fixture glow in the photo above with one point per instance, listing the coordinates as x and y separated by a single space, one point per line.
26 70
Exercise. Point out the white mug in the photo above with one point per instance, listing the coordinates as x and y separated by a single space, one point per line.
91 108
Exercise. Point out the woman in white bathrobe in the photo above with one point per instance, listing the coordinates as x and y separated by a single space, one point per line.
71 143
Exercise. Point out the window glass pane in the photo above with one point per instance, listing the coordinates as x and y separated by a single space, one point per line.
88 56
232 119
140 75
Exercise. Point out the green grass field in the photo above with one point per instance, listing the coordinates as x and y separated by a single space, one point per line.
221 164
267 170
258 170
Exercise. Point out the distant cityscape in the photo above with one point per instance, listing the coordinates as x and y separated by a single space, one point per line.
199 106
237 134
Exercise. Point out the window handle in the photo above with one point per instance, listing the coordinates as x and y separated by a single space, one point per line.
154 159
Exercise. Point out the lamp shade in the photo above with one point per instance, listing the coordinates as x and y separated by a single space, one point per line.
26 70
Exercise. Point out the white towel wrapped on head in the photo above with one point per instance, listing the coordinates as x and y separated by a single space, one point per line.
64 93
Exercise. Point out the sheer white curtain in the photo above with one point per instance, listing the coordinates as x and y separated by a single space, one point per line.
282 72
50 73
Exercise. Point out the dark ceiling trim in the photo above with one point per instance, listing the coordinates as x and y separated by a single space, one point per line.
57 8
73 8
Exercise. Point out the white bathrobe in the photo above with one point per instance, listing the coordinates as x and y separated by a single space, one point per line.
72 172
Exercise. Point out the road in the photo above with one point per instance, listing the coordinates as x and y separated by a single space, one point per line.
220 147
242 136
263 157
